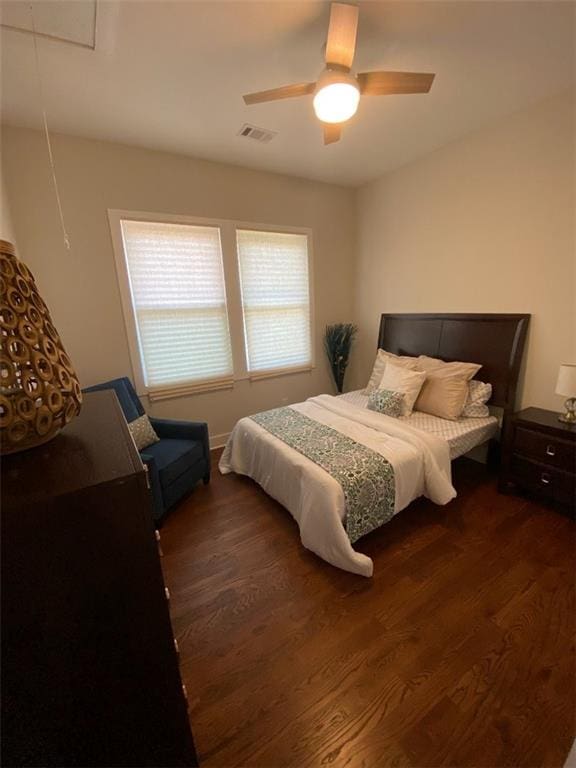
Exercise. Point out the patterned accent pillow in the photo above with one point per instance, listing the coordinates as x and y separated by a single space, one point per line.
386 401
143 432
478 395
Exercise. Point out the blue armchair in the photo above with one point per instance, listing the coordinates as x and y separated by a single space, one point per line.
178 461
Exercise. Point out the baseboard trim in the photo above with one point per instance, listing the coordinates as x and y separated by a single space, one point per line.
218 441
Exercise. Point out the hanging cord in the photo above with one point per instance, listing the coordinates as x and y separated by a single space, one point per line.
47 132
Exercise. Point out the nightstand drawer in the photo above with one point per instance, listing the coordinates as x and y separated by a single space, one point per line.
545 449
553 483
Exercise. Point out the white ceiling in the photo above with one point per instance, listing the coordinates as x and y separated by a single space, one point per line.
170 76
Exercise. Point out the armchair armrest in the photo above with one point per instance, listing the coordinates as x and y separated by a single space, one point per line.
183 430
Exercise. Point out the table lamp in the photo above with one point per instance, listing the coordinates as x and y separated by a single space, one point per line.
566 385
40 392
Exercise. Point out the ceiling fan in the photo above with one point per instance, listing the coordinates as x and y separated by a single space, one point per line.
337 91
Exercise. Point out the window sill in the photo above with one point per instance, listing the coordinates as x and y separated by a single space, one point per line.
166 393
200 387
273 373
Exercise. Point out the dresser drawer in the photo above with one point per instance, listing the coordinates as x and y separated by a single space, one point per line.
552 451
555 484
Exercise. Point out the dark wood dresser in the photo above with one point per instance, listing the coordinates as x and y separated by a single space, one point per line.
539 456
90 671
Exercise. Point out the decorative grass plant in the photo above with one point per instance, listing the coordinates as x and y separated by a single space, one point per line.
338 339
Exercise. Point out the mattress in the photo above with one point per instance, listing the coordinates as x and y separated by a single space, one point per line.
461 435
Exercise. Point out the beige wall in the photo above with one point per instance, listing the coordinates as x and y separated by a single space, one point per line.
81 288
6 225
485 224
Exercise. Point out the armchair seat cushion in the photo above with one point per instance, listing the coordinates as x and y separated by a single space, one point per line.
175 457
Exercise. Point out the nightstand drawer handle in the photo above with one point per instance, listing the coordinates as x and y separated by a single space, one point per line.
550 450
545 477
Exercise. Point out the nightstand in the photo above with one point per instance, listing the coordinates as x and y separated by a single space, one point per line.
539 456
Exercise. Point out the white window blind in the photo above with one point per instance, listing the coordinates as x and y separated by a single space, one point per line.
179 299
275 299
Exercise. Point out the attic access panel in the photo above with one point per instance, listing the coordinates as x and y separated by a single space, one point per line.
69 22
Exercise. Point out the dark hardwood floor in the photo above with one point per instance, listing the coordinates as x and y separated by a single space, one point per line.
458 652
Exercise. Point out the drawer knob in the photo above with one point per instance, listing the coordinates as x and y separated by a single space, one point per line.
167 593
545 478
550 450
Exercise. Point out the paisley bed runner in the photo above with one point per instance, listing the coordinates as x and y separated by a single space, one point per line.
366 477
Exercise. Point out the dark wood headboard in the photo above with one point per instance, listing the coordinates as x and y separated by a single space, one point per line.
495 341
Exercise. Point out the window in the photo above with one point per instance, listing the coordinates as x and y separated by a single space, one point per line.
275 299
208 302
179 301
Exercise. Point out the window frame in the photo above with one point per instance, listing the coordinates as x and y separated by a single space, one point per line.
269 373
234 307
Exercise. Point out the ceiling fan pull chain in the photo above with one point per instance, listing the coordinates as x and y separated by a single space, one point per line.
47 132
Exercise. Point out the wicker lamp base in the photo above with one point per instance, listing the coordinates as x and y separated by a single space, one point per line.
39 390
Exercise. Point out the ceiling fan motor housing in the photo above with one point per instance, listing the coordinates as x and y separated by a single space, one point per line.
335 74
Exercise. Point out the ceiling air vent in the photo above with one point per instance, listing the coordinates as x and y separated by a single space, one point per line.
258 134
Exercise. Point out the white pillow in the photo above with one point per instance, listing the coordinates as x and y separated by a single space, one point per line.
468 370
478 395
384 357
403 380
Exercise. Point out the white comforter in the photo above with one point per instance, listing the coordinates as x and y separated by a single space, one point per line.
421 465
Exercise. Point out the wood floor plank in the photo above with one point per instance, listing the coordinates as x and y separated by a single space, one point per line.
458 652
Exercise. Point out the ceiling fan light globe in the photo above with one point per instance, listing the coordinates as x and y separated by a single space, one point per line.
336 102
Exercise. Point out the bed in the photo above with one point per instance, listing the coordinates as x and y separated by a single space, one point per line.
403 458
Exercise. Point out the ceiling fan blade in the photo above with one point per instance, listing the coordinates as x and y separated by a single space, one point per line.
332 132
384 83
341 42
284 92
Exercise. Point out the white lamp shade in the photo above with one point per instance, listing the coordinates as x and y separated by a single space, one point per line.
336 97
566 384
336 103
